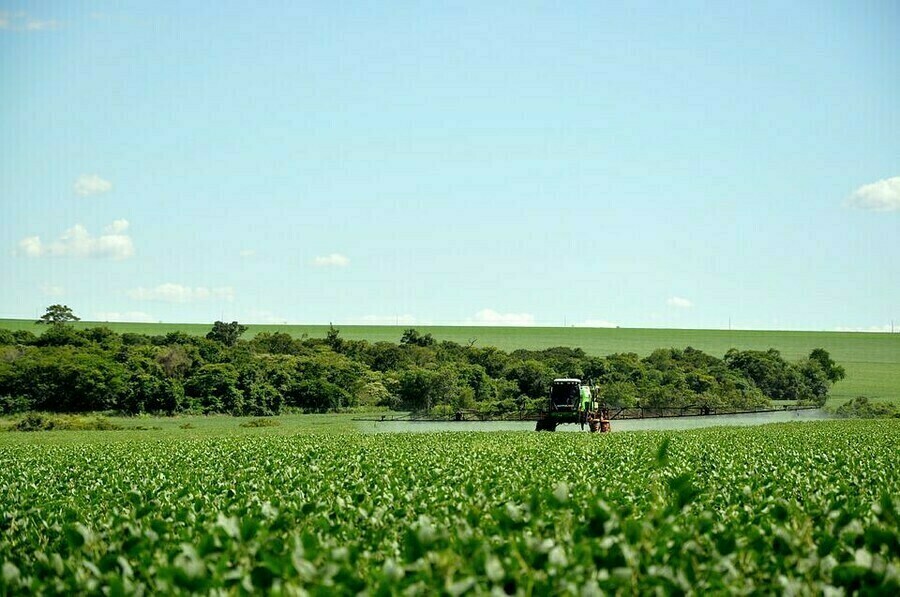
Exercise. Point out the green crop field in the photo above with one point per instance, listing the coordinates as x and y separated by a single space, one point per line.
872 360
800 508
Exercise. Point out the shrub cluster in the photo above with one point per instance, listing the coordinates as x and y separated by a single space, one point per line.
43 422
96 369
252 423
862 408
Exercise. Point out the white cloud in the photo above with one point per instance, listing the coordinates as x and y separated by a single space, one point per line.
681 303
247 253
117 226
491 317
41 25
52 290
332 260
883 195
176 293
78 242
596 323
30 246
127 316
91 184
21 21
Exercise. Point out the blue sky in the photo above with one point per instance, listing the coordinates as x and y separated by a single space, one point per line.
535 163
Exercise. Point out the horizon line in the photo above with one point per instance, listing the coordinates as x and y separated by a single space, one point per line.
470 325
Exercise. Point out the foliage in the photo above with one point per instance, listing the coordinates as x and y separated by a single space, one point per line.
862 408
226 333
151 392
412 336
422 389
62 335
45 422
58 315
872 361
214 389
318 395
175 361
374 393
808 508
65 379
95 369
333 338
833 371
808 380
14 404
260 423
275 343
533 377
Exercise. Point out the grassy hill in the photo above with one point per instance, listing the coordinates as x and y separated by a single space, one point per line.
872 360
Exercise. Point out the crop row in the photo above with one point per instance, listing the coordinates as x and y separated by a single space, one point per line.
785 508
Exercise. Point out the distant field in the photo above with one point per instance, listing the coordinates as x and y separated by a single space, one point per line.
872 360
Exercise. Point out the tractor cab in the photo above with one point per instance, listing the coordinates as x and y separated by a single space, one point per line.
567 395
572 402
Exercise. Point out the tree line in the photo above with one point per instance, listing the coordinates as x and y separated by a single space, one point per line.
96 369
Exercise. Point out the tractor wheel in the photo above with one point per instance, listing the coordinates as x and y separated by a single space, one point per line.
547 424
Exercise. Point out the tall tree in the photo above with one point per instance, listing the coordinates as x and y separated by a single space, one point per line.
226 333
58 315
412 336
333 338
833 371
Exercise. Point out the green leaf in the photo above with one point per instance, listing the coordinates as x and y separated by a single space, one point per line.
77 535
662 454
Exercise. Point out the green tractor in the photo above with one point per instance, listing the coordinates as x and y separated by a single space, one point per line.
571 401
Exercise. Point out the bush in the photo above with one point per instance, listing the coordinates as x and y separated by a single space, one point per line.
226 333
318 395
861 408
175 361
103 336
132 339
809 380
277 343
62 335
422 389
10 405
533 377
150 393
43 422
413 337
24 337
260 423
65 379
373 393
214 389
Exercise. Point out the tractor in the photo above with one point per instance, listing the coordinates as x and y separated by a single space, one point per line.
571 401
